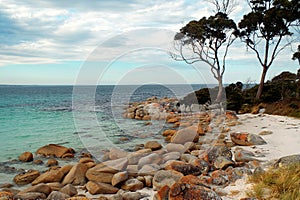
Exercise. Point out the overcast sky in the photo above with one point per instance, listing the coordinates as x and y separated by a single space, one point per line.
111 42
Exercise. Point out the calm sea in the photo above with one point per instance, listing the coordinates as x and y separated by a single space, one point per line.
84 117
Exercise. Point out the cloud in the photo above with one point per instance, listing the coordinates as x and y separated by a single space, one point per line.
52 31
66 30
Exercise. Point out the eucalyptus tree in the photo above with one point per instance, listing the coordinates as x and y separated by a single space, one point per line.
264 29
207 40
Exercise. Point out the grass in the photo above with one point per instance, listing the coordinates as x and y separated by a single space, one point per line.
288 107
295 113
281 183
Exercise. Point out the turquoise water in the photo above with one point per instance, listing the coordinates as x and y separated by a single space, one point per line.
33 116
27 121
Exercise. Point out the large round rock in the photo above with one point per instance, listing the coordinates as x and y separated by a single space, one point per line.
247 139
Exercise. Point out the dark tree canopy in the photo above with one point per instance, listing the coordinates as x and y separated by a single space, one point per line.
271 20
213 30
296 55
267 24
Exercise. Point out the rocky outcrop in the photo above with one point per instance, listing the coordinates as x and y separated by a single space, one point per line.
191 192
116 153
5 195
50 176
69 189
247 139
133 196
103 177
149 159
40 188
288 160
188 187
151 109
119 178
133 158
153 145
54 195
185 168
169 132
188 134
165 177
30 195
26 157
55 150
241 155
100 188
105 171
223 162
52 162
171 147
27 177
132 185
76 176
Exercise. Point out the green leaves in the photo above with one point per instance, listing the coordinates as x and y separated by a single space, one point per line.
250 23
269 21
213 28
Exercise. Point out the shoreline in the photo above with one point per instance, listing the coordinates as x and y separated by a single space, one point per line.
281 133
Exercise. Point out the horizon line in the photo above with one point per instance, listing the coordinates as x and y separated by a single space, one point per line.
116 84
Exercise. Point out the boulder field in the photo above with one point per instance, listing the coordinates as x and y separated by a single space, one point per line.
201 155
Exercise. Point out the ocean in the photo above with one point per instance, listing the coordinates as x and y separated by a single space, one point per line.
81 117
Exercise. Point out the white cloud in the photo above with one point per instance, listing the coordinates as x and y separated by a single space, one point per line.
55 31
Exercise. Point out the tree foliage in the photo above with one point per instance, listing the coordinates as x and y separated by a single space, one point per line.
267 24
207 40
296 55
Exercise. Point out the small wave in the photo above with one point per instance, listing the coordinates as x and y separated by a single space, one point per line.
63 143
58 109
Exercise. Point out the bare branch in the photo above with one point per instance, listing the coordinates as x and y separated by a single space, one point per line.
213 72
275 52
230 41
224 6
256 52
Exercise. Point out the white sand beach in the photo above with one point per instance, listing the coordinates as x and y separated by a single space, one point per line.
284 140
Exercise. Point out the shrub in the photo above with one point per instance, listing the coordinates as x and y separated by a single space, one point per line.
293 105
201 96
234 95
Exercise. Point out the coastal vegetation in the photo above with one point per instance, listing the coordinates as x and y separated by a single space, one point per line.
266 30
276 183
280 96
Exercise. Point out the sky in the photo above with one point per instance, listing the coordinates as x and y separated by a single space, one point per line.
54 42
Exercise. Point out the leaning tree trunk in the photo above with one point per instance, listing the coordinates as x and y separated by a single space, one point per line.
262 82
220 90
